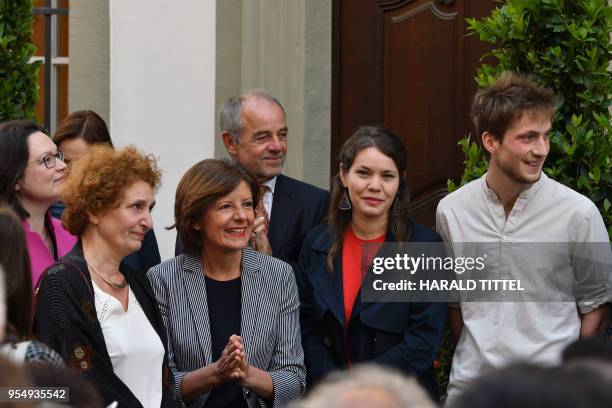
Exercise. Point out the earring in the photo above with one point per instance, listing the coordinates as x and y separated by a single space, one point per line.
345 203
395 208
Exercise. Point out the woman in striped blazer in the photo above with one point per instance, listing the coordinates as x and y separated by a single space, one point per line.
232 313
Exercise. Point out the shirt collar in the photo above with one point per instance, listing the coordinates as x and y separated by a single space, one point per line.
524 195
271 184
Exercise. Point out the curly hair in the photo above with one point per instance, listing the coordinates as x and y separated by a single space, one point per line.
98 181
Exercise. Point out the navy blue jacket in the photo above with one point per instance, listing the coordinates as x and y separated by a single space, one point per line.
404 335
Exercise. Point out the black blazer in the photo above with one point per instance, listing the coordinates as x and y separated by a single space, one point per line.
405 335
297 207
66 321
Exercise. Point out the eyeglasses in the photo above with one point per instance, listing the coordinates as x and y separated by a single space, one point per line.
50 160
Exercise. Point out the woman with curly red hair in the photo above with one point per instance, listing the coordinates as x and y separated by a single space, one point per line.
96 311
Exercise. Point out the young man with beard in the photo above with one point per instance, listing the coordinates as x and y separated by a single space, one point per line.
514 203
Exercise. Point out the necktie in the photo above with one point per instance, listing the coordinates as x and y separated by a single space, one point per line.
261 208
263 189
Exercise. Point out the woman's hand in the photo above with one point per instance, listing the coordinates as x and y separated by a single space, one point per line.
226 368
241 371
260 241
250 377
229 361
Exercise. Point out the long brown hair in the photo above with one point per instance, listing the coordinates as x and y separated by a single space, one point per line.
391 146
16 264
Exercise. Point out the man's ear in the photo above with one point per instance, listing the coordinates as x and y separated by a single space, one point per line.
230 144
490 143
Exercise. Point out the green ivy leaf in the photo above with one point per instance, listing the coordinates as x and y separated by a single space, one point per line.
566 46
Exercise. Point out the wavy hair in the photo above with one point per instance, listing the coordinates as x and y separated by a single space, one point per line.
98 181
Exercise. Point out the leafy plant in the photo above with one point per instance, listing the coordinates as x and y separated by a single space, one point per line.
18 78
566 46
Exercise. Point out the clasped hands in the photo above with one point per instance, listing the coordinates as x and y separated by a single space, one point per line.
233 364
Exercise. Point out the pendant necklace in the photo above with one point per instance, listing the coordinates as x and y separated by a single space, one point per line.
114 285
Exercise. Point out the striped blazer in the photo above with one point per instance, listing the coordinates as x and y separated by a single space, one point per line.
269 322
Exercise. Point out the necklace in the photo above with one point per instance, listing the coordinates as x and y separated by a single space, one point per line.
114 285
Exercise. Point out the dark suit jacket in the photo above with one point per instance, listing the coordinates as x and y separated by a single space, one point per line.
297 207
405 335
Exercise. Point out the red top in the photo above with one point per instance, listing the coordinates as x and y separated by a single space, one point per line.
352 274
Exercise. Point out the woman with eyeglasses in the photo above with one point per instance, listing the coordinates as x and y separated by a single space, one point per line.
31 175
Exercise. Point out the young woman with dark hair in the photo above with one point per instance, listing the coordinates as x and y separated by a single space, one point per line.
369 205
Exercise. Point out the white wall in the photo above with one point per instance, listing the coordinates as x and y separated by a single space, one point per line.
283 46
88 79
162 89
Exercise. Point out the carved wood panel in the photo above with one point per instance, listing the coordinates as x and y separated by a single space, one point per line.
406 64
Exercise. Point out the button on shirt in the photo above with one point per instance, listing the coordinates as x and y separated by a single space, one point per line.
498 333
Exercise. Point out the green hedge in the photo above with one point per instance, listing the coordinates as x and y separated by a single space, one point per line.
18 78
564 45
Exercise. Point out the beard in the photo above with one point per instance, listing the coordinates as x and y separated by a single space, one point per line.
514 174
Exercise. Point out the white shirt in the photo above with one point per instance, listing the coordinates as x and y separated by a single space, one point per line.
134 347
498 333
268 197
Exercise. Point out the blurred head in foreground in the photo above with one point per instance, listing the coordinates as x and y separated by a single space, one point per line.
366 386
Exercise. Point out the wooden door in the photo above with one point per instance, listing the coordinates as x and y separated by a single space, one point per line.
408 65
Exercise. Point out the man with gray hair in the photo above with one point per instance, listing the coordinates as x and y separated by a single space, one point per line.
366 386
254 131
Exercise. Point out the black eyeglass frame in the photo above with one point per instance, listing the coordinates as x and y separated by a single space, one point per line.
49 160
